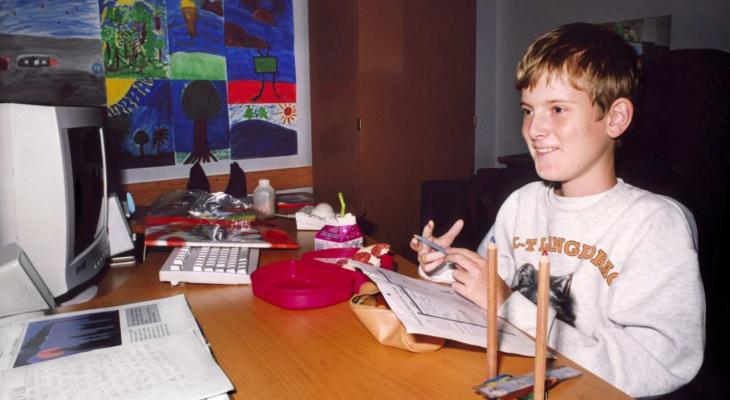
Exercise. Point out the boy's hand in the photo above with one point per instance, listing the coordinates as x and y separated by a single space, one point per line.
471 277
429 258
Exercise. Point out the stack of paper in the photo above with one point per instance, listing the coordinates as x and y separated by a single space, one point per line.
148 350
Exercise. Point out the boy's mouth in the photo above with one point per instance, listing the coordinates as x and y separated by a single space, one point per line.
544 150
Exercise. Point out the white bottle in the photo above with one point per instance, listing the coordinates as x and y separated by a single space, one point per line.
263 198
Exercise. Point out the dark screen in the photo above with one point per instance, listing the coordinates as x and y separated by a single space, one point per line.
88 183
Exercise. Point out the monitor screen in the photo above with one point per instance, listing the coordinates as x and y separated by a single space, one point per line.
88 184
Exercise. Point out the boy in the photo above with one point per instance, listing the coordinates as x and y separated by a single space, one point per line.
627 301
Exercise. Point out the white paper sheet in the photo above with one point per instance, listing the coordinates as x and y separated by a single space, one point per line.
136 350
81 331
175 367
436 310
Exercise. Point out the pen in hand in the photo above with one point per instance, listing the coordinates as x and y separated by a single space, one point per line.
430 244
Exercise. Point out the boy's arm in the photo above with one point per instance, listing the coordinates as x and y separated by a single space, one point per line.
653 339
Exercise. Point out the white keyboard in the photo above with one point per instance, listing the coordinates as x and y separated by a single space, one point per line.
222 265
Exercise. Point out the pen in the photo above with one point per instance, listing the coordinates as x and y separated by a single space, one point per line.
430 243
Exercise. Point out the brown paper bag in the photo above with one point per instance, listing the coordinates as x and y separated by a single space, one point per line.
381 321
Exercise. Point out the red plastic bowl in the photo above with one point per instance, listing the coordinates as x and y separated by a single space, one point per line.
299 285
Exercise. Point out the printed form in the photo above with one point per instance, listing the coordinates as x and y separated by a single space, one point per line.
432 309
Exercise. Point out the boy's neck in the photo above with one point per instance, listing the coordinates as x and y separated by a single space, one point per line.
582 189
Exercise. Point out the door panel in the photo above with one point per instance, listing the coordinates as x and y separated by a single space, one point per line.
416 99
333 81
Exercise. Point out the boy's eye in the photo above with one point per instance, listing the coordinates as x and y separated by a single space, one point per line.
558 109
526 112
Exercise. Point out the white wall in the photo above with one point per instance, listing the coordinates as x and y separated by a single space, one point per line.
303 123
513 24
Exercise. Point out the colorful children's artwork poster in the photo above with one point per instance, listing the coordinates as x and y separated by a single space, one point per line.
184 81
200 121
197 51
645 35
134 38
50 53
261 78
262 130
140 122
259 39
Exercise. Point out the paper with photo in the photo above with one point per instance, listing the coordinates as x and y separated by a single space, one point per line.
178 366
62 335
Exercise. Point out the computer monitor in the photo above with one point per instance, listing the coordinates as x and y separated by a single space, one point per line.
53 191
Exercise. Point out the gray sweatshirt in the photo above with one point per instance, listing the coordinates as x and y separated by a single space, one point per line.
627 301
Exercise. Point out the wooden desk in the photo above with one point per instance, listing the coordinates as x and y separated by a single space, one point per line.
272 353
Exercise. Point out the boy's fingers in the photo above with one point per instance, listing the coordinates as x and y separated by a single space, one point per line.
454 231
473 256
459 288
432 257
461 261
428 230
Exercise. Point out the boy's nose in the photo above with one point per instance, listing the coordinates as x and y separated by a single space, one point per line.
535 128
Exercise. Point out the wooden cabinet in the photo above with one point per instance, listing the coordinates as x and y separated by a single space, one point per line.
392 99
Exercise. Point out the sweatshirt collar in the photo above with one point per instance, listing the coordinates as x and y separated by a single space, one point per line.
579 203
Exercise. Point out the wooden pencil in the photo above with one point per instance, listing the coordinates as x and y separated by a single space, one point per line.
543 298
492 345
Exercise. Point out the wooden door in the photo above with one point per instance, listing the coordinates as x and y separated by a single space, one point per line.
416 102
333 82
405 69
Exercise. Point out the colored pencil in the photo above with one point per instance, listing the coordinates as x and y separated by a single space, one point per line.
492 345
543 298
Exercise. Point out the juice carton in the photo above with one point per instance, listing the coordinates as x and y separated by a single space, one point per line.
339 233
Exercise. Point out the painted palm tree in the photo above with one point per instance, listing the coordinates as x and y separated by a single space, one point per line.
159 138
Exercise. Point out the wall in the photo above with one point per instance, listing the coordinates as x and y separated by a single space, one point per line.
304 148
513 24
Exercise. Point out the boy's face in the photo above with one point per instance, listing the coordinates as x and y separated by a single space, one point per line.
566 141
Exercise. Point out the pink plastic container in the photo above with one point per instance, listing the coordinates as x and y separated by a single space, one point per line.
299 285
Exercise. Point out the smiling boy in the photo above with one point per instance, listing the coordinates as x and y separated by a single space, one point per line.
627 301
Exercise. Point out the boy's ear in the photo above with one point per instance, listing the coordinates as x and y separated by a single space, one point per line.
619 117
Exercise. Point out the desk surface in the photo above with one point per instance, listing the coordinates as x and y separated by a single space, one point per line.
272 353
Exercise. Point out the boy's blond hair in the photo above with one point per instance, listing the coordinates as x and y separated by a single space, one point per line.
593 58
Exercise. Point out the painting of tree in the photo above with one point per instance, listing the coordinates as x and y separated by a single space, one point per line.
159 137
141 138
200 102
134 39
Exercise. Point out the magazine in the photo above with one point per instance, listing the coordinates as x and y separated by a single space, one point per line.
151 349
223 233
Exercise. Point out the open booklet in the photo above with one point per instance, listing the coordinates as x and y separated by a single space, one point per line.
146 350
432 309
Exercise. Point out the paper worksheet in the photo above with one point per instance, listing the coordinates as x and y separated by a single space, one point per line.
178 366
436 310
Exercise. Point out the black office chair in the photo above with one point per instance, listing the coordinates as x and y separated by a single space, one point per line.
679 145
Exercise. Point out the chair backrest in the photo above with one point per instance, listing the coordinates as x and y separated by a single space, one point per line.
679 145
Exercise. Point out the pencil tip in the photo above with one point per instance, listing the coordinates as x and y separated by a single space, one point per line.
544 252
492 240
